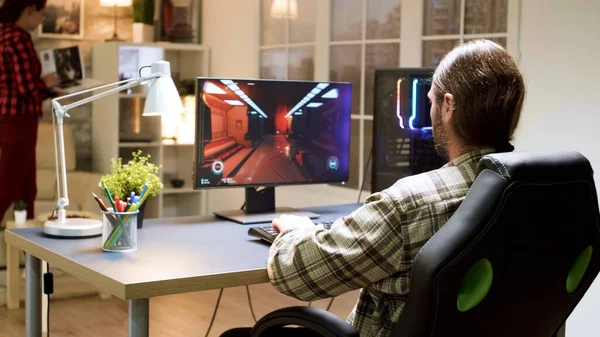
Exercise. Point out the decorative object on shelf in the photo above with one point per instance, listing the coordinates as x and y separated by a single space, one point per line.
284 9
115 4
20 212
177 183
63 19
138 177
143 21
162 99
179 21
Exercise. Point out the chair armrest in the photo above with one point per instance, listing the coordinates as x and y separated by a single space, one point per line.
318 320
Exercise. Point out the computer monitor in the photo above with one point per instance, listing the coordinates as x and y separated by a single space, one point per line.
403 143
267 133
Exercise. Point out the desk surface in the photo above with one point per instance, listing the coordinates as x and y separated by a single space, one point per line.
175 255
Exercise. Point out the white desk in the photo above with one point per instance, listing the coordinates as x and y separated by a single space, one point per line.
174 256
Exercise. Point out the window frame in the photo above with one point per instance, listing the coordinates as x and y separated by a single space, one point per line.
286 45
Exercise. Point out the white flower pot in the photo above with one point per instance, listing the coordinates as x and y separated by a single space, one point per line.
142 32
20 218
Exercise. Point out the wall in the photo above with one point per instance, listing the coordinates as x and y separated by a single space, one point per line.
231 29
560 49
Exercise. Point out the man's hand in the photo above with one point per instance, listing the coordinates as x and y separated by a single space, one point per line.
51 80
285 222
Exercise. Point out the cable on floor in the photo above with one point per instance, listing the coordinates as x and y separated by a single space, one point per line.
250 304
212 320
330 303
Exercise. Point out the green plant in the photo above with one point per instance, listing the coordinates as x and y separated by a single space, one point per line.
20 205
143 11
131 177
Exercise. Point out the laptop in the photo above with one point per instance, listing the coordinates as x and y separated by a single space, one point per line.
68 64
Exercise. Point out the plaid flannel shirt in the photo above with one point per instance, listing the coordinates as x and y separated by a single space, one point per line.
21 88
373 248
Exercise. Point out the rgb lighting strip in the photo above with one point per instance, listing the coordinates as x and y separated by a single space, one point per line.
398 110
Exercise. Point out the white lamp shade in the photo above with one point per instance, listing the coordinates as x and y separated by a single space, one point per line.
163 98
118 3
284 9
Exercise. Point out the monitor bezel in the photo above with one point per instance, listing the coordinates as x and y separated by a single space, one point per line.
196 138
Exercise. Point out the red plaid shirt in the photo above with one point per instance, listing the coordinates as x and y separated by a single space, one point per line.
21 88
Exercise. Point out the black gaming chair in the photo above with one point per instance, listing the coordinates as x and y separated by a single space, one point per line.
514 260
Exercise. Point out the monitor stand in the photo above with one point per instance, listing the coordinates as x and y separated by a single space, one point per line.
260 208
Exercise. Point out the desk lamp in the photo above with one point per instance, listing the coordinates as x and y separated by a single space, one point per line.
162 98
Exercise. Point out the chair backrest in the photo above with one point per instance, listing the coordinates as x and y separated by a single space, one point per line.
515 258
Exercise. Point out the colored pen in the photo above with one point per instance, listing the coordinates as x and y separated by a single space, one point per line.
110 199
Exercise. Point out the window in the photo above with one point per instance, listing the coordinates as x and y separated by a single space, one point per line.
364 35
449 22
287 39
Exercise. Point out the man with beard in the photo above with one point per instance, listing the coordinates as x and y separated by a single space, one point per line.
477 94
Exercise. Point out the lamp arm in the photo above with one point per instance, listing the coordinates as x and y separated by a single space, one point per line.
60 112
130 84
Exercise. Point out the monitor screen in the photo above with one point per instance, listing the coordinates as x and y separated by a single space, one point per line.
268 132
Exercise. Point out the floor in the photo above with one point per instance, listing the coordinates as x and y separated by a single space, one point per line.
175 315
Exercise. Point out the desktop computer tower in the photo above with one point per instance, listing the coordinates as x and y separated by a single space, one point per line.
402 129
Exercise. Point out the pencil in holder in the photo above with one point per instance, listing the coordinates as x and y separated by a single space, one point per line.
119 231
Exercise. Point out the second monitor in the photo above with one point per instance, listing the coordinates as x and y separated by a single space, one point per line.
267 133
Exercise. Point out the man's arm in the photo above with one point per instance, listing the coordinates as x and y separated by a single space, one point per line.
359 249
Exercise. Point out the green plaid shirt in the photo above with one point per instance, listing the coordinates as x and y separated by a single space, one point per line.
373 248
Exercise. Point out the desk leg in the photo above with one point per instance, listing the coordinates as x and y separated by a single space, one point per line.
139 313
33 297
13 293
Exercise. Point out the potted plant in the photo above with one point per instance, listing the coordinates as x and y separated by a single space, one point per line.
124 179
143 21
20 212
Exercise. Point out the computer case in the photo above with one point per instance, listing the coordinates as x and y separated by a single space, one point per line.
402 129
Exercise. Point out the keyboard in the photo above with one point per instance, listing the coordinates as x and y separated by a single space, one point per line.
268 234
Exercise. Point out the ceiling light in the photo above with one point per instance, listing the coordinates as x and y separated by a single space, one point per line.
211 88
233 102
333 93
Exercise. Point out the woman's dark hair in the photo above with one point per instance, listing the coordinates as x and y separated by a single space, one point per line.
488 91
11 10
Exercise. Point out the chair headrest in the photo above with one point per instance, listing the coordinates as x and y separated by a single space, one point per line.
538 166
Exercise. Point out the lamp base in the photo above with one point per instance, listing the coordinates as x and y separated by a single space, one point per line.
73 228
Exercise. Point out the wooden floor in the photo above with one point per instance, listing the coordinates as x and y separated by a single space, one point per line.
176 315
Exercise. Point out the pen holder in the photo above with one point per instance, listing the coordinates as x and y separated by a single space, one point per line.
119 231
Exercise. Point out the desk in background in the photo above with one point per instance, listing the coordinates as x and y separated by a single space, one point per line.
174 256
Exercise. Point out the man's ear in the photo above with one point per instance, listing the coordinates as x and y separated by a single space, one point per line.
448 107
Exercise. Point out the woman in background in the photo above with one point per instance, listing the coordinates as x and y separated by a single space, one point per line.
22 90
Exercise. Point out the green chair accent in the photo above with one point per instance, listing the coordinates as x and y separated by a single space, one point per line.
475 285
578 270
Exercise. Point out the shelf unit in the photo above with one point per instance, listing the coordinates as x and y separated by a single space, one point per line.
118 128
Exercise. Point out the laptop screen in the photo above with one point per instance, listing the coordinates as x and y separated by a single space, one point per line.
65 62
